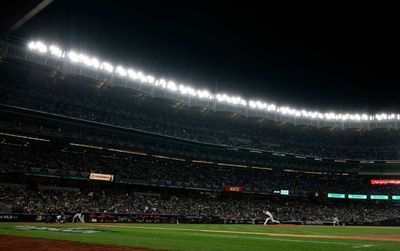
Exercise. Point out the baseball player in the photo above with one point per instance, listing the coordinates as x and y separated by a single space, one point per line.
78 215
60 218
335 221
269 218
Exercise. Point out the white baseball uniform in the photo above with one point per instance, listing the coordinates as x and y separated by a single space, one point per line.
335 221
270 218
78 216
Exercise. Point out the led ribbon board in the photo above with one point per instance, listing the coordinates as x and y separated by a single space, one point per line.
336 195
379 197
385 182
358 196
101 176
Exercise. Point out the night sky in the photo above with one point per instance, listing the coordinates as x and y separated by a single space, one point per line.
328 57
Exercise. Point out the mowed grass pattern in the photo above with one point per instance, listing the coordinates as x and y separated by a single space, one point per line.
203 237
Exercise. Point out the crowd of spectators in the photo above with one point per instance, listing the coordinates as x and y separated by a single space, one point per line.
41 201
152 170
115 107
46 127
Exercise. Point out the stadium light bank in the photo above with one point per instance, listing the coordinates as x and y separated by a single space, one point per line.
80 58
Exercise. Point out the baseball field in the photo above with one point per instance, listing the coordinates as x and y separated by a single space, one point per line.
120 237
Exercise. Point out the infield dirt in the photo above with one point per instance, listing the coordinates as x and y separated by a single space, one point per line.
16 243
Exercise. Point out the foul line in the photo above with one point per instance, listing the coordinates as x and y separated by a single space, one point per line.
260 234
288 240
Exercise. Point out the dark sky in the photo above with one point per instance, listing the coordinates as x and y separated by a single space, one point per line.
329 57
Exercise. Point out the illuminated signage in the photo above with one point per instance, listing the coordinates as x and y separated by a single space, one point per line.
379 197
281 192
101 176
358 196
284 192
336 195
385 182
234 189
396 197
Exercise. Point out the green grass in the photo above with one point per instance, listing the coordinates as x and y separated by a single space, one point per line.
204 237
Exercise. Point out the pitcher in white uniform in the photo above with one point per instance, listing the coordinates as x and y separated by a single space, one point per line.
269 218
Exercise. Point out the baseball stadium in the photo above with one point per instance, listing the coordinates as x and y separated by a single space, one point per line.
178 125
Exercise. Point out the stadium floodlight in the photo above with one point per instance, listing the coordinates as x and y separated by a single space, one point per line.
364 117
41 47
84 59
261 105
137 75
107 67
313 115
187 90
271 107
183 89
56 51
73 56
330 116
172 86
257 105
150 79
131 73
140 75
121 71
192 92
220 97
231 100
234 100
204 94
95 63
226 98
284 110
31 45
161 82
37 46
